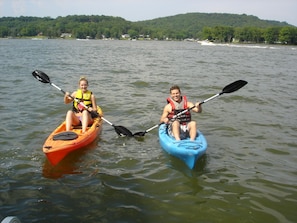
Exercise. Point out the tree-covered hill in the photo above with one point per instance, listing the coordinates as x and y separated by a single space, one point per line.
79 26
197 21
219 27
192 25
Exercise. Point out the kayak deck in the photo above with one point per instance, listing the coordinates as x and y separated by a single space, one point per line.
61 142
186 150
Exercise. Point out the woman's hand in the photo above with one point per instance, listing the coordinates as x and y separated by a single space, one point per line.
67 98
94 114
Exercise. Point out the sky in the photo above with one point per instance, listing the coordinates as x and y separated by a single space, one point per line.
139 10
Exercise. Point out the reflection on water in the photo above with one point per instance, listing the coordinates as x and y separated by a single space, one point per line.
247 175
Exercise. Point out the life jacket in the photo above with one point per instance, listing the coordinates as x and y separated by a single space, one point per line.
179 107
82 97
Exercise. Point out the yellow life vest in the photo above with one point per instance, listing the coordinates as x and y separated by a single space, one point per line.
86 98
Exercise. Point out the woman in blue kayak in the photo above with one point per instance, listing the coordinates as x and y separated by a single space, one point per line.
80 114
183 126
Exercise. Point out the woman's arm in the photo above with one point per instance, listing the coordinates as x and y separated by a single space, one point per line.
67 98
94 105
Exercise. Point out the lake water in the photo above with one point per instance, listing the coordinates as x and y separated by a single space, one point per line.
249 171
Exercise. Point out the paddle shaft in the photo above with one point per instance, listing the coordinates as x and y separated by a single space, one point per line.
75 99
234 86
206 100
177 115
59 89
81 103
150 129
44 78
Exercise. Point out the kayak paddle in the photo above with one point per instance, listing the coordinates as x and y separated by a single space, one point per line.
236 85
146 131
44 78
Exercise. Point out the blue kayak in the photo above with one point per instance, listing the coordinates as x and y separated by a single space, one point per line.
186 150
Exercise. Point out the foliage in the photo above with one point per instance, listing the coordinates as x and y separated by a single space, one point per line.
288 35
215 27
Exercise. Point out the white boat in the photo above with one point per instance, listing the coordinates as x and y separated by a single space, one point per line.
206 43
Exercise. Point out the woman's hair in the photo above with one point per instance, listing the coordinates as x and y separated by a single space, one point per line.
83 79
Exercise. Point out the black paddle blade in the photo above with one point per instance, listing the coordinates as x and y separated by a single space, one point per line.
41 76
234 86
122 131
139 134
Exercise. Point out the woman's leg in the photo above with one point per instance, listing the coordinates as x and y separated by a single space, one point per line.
86 120
71 119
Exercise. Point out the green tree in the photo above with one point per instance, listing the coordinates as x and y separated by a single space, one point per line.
246 34
3 31
207 33
271 34
222 34
29 30
288 35
257 35
133 33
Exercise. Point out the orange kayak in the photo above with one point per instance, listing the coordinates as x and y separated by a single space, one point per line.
61 142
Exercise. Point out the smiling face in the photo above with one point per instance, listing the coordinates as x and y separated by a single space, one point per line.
175 94
83 85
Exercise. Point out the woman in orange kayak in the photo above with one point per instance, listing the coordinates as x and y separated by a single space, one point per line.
79 113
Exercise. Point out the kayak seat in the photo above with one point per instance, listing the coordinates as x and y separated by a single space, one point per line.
79 126
65 136
76 126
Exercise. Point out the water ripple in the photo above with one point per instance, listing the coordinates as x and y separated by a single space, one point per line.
247 175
